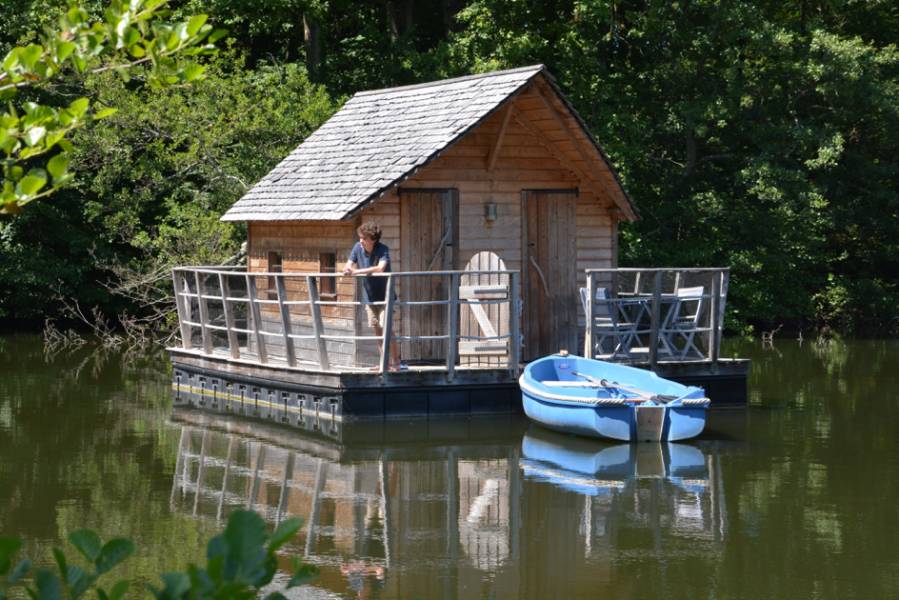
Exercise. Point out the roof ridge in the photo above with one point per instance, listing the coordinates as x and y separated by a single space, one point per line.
536 68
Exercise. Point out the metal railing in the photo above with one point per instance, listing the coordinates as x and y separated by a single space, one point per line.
260 316
652 315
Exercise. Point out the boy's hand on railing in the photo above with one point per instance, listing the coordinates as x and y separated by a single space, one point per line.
348 271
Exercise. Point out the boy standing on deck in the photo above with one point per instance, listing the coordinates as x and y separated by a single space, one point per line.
370 256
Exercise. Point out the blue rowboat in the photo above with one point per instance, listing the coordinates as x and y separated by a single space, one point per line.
600 399
596 468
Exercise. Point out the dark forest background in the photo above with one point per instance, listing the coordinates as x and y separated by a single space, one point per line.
763 136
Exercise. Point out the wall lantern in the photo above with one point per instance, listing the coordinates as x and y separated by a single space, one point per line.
490 212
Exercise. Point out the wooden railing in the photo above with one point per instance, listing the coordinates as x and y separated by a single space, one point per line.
258 316
652 315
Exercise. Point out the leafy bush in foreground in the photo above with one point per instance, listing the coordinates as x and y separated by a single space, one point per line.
240 562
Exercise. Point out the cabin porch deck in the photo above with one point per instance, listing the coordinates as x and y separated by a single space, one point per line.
226 319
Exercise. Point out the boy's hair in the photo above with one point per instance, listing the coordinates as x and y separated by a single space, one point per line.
370 230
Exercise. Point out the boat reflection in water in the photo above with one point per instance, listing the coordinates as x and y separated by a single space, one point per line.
593 468
457 509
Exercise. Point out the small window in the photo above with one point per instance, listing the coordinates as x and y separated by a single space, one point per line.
273 266
327 263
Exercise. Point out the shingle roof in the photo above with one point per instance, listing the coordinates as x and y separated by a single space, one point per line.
375 141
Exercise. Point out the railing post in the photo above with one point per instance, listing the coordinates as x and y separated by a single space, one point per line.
233 345
388 326
204 315
655 318
183 312
318 326
257 319
588 315
284 310
452 318
714 317
515 324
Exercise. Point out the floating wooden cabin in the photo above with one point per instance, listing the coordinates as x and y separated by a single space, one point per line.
494 200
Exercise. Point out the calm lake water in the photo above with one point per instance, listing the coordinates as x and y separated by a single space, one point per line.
796 496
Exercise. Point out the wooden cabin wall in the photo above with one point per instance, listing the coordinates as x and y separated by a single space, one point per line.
540 147
300 245
524 162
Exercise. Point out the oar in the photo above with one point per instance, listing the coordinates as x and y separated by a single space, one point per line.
644 395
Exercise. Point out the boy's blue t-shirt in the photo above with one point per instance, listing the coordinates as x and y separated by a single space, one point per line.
374 289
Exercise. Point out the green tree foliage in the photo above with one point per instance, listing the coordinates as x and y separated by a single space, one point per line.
757 135
240 562
32 127
153 180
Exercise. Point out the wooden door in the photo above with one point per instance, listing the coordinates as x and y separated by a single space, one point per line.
550 272
428 240
485 312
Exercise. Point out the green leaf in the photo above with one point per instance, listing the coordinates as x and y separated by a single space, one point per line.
48 585
30 55
58 165
130 37
216 35
8 549
78 581
119 590
191 72
64 50
181 31
174 586
87 542
33 135
194 24
113 552
11 60
303 575
152 5
79 106
103 113
171 41
284 533
53 138
20 571
76 15
60 561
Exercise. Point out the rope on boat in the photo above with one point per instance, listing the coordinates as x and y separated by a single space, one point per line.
695 401
611 401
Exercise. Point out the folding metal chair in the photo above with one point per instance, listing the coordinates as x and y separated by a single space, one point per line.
683 323
608 325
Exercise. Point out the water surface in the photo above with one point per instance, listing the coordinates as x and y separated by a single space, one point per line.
796 496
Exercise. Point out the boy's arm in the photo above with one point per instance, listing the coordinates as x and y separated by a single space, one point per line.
382 265
380 268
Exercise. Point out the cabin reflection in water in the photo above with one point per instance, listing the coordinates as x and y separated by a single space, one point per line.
501 513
